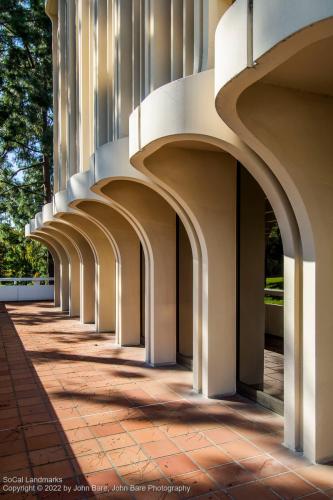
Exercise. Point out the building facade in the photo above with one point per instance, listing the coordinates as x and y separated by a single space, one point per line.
175 123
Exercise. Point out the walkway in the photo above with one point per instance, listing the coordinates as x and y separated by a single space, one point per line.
86 415
273 374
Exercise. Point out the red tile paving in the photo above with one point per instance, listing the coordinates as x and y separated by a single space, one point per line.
77 409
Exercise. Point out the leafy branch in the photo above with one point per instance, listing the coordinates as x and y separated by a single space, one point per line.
36 165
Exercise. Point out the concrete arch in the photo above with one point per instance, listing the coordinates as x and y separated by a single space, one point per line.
74 268
210 202
105 260
176 154
286 58
125 244
235 86
110 164
87 269
175 102
79 191
56 266
128 267
64 267
160 233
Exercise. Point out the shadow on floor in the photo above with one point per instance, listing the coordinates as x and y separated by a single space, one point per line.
100 420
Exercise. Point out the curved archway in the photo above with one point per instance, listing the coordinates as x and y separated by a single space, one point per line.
87 270
154 220
105 271
166 152
74 268
116 229
64 267
56 266
298 138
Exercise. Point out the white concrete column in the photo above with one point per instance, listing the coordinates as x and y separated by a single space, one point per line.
136 52
64 268
71 88
157 222
122 66
56 276
105 272
62 92
198 36
188 37
157 43
185 292
292 271
212 11
87 270
176 39
143 19
251 241
84 87
56 267
128 275
205 181
100 34
110 53
55 70
317 341
74 269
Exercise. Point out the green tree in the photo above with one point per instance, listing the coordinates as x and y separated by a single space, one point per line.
20 257
25 118
274 252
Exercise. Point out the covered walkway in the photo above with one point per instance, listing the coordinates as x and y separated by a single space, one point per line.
91 416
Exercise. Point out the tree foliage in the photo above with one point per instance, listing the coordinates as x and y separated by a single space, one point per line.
274 252
25 123
20 257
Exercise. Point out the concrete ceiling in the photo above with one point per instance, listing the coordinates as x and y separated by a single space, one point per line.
310 70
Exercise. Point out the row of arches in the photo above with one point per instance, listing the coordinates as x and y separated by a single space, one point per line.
139 235
184 226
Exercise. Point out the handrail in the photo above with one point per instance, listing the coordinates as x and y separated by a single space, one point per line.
34 280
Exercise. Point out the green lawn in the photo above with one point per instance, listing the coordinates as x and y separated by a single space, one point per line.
274 300
274 284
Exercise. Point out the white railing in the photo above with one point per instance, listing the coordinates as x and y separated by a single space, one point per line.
274 313
35 281
25 289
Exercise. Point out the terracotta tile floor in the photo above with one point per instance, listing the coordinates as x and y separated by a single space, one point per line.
96 420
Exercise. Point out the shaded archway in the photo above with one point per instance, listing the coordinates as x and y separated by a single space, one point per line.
87 270
56 265
155 152
283 85
128 260
74 268
64 267
154 220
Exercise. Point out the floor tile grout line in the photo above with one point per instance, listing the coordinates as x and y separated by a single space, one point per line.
289 469
23 434
266 453
82 416
200 432
31 467
126 431
245 438
234 460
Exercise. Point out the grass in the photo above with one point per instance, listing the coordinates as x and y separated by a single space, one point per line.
275 283
278 301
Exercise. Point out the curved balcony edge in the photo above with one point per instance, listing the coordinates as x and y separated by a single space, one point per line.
245 34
